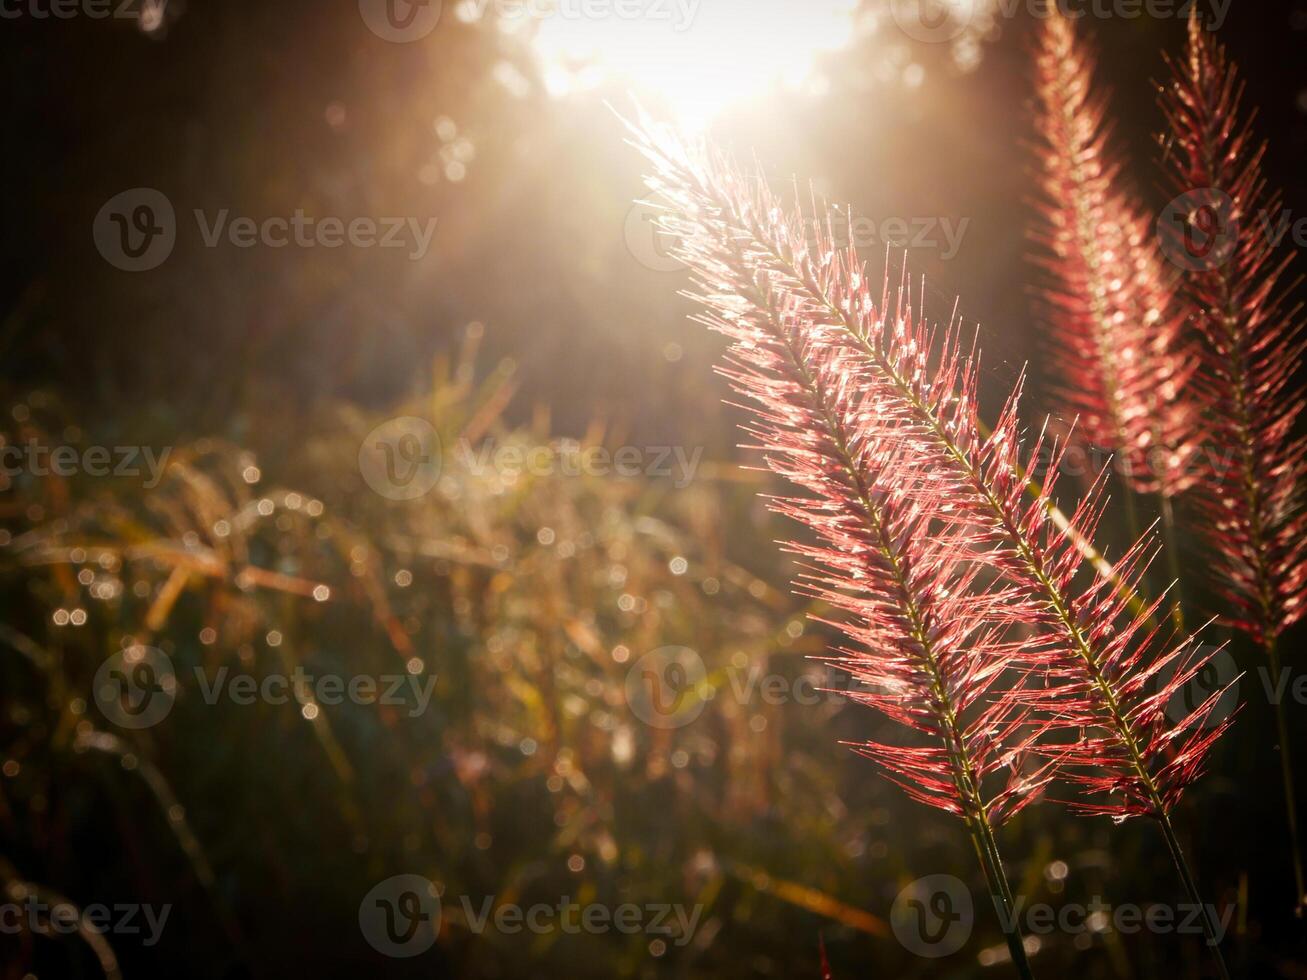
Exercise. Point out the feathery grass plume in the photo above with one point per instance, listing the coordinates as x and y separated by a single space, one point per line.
734 234
1114 330
929 641
1217 231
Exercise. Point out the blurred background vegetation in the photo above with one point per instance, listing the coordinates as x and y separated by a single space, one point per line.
535 318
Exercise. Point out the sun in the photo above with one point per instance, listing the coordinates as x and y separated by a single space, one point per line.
694 58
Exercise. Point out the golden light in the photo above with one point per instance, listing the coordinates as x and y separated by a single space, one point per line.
693 58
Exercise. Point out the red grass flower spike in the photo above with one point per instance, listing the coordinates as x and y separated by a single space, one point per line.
1217 231
1115 333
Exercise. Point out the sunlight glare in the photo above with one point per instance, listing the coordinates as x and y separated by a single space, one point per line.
702 56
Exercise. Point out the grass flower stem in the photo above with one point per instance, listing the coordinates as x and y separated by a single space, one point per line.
982 836
1191 888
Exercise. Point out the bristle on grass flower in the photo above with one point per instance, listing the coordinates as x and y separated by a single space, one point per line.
753 259
1113 328
1216 231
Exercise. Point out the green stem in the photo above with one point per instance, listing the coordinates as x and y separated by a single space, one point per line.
1286 770
1187 878
982 835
